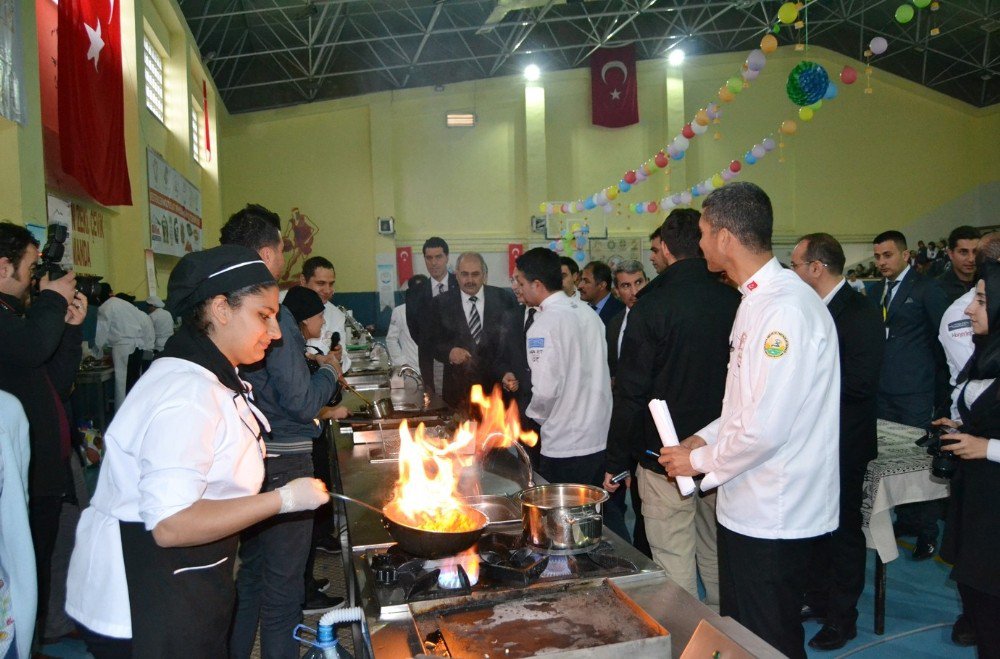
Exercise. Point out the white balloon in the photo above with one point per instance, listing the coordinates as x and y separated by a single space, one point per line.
698 128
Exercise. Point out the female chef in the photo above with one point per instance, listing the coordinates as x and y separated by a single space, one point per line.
152 571
973 527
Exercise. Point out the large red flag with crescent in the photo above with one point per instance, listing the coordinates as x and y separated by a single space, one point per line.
404 264
91 109
614 93
514 251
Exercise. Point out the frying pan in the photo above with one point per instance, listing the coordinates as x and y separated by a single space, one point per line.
422 542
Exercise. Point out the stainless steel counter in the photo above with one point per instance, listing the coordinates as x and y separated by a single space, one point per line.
395 635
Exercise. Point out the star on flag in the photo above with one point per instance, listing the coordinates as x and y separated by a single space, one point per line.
615 94
96 42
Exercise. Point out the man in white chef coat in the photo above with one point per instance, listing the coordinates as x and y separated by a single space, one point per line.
320 275
570 381
125 329
773 452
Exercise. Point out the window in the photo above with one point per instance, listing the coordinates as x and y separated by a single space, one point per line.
154 78
195 132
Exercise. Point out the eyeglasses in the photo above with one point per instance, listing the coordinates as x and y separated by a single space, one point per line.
793 265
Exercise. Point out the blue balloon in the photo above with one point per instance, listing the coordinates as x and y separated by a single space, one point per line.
679 156
589 204
831 92
623 186
749 159
695 191
639 208
580 256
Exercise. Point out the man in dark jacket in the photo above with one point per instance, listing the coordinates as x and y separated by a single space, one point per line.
957 280
39 354
675 348
838 563
419 314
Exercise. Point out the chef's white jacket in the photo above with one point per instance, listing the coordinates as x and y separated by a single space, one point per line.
773 453
570 381
163 326
121 325
955 335
402 348
181 436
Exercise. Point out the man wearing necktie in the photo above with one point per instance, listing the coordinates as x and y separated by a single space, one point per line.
468 323
419 316
595 290
914 376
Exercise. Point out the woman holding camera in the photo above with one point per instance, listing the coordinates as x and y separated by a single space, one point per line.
973 529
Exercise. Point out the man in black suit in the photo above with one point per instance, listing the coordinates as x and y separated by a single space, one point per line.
511 366
837 567
630 278
595 290
469 330
963 242
419 316
914 377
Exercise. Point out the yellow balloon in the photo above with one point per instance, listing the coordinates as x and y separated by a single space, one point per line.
769 44
612 192
717 180
541 207
788 127
701 118
787 13
806 114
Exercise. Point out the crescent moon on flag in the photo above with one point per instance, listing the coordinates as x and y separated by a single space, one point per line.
515 252
403 256
614 64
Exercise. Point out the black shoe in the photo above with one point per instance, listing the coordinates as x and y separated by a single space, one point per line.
329 544
317 602
962 632
810 612
832 637
924 548
317 584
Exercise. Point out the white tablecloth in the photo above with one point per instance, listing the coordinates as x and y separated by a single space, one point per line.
900 474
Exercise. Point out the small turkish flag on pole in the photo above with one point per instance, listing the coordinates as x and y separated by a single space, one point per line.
614 93
91 108
514 251
404 264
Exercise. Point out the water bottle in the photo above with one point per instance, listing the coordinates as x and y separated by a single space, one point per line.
326 646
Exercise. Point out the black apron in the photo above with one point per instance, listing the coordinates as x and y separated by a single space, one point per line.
178 611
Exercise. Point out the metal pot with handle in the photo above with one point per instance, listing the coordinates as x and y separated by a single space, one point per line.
563 517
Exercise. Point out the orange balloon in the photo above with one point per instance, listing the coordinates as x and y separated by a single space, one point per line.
725 95
701 118
769 44
788 127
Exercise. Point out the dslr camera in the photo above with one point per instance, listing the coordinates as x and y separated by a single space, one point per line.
944 463
52 255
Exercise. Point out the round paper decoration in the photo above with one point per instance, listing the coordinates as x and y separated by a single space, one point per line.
807 83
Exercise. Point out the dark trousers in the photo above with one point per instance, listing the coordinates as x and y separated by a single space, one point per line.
269 585
583 469
614 516
105 647
983 611
837 562
915 410
761 585
43 518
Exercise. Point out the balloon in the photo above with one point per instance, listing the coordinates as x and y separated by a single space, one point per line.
728 175
687 132
904 14
769 144
541 207
735 85
624 186
681 143
701 118
651 207
806 114
788 12
677 199
727 96
640 175
920 4
848 75
712 111
580 256
679 156
756 60
660 159
581 242
589 205
878 45
717 181
565 208
612 192
758 151
646 169
629 176
608 209
699 129
831 92
769 44
817 105
750 75
672 150
788 127
735 166
749 158
555 247
686 197
695 191
638 208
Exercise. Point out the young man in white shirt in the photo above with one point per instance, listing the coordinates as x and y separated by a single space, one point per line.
570 381
773 452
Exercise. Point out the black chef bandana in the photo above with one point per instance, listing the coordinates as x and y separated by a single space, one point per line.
216 271
304 303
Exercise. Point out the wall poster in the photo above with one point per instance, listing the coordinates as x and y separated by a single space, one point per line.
174 209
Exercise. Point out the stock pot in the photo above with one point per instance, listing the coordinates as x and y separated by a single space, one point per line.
563 517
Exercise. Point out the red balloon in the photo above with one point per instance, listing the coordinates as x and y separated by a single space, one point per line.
687 131
660 159
848 75
735 166
630 176
651 207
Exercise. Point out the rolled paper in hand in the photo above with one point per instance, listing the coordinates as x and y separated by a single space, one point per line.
668 435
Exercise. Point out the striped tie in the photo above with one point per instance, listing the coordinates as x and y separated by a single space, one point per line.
475 323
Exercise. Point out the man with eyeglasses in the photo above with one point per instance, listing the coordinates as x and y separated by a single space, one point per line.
837 567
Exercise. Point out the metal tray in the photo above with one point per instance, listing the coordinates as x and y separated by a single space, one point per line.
499 509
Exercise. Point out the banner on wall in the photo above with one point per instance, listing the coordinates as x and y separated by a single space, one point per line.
174 209
514 251
85 242
385 276
404 264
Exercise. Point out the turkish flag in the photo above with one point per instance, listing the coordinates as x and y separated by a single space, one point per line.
91 108
614 93
514 251
404 264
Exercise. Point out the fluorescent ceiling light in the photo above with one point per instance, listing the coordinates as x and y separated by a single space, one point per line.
460 120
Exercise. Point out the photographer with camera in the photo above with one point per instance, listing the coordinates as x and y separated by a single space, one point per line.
973 526
39 354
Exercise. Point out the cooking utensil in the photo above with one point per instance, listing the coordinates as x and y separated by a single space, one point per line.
425 543
563 517
379 409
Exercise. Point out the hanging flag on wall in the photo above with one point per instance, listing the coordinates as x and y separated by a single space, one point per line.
514 251
91 110
404 264
614 93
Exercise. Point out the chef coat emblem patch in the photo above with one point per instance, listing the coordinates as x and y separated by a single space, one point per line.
535 348
775 345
